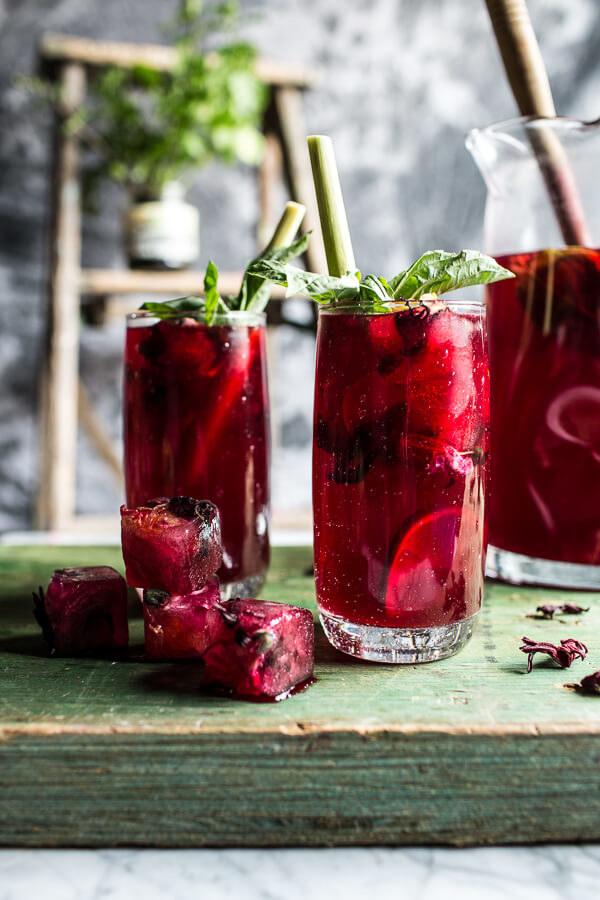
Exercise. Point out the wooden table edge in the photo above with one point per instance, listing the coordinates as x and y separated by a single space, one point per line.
11 731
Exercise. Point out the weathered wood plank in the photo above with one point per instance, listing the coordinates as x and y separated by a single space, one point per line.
138 281
345 788
54 47
270 176
58 418
465 751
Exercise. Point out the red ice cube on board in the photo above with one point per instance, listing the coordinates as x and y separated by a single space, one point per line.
171 545
262 649
176 626
253 647
84 610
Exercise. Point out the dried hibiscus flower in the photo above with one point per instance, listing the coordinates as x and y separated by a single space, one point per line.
590 684
564 654
548 610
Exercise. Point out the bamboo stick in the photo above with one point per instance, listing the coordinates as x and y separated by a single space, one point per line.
528 79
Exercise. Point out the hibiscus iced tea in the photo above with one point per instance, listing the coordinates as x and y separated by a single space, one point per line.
544 334
197 425
400 463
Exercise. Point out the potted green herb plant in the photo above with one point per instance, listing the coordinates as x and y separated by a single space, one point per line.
150 131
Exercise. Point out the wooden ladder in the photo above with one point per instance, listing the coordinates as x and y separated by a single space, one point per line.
64 402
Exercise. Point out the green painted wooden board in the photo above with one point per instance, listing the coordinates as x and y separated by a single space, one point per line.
466 751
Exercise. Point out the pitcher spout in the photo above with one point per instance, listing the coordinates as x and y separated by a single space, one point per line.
540 172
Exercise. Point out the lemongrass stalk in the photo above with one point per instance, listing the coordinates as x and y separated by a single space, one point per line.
288 225
332 213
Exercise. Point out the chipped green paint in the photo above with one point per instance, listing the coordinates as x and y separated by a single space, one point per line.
467 750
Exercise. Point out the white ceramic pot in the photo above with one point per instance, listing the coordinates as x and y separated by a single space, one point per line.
164 233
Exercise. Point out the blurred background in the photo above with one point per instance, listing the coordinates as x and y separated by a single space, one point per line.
399 84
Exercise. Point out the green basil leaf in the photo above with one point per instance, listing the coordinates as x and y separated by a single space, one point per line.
211 294
323 288
289 252
375 289
163 308
256 288
437 272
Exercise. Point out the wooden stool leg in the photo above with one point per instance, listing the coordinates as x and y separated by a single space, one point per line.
97 435
58 415
269 179
290 118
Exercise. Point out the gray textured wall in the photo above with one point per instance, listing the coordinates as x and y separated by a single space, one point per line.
403 81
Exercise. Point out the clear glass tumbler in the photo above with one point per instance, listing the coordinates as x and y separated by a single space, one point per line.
399 467
196 423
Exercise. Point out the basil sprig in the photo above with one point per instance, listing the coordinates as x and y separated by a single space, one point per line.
252 297
436 272
255 291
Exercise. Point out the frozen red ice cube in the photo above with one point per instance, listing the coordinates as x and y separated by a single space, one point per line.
252 647
180 626
261 649
84 611
171 545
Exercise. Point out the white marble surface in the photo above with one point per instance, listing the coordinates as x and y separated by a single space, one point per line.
560 872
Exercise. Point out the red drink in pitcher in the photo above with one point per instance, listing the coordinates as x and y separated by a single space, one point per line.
544 345
197 424
544 332
400 464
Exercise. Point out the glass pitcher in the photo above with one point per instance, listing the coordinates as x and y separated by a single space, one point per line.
544 349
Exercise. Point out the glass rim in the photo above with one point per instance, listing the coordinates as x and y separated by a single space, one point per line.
477 303
515 123
239 317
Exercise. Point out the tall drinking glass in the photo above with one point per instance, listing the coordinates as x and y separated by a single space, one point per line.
544 345
399 468
196 423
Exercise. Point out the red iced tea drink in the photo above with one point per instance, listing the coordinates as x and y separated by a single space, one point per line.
544 336
400 460
197 425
